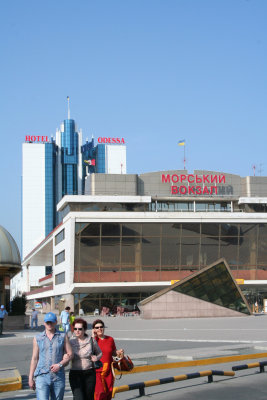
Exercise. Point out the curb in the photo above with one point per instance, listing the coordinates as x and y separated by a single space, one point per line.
12 382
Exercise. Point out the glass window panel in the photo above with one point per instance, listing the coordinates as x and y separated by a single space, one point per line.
89 254
248 244
151 229
110 251
170 252
202 207
171 230
60 237
229 229
60 278
60 257
190 230
184 206
150 252
88 229
131 229
262 245
216 286
209 250
110 229
190 251
77 252
229 249
89 304
210 229
130 251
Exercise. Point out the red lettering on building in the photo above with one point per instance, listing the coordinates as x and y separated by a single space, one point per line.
198 179
213 179
165 179
188 178
191 190
175 178
213 188
43 139
206 179
183 189
221 178
111 140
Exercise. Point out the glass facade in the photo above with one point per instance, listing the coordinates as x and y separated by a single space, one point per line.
69 158
215 285
89 302
101 158
88 153
50 187
123 252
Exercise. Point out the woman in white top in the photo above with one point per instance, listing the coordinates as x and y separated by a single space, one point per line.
85 351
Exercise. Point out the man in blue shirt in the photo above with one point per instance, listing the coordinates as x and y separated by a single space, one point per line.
65 319
51 353
3 313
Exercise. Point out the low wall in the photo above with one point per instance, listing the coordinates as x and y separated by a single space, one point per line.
16 322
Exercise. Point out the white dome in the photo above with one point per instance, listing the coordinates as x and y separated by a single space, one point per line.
9 252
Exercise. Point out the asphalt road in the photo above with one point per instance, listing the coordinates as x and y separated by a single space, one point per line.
185 337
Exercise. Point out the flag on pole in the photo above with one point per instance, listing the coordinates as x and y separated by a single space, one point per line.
90 162
181 143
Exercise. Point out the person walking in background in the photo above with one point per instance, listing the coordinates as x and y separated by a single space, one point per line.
65 319
3 313
34 320
104 376
51 352
72 318
85 353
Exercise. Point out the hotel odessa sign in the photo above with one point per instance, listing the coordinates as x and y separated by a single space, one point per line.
33 138
111 140
196 184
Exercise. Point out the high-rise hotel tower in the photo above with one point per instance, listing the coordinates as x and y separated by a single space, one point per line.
52 168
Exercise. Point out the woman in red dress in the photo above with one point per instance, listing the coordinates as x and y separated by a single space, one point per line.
104 376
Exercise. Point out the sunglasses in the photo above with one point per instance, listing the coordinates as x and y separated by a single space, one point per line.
78 329
99 327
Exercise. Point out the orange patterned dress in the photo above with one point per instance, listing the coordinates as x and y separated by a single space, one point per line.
104 377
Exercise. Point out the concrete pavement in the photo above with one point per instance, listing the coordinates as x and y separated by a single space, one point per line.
160 341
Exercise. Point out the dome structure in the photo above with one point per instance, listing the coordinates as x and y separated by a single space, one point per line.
9 252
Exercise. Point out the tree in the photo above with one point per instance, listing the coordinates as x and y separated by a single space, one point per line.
18 305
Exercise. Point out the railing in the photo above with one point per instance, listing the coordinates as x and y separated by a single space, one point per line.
260 364
142 385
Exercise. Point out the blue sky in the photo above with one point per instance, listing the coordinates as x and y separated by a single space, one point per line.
151 71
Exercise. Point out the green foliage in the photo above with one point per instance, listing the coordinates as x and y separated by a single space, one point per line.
19 305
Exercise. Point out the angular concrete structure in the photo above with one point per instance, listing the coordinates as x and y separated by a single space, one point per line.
210 292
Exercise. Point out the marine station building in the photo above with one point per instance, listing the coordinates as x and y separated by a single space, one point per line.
131 235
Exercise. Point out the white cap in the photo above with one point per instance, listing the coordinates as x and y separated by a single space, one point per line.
2 306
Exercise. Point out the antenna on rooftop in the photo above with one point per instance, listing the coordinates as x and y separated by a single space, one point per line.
254 168
68 99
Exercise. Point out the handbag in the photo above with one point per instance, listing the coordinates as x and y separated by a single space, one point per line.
121 364
96 364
